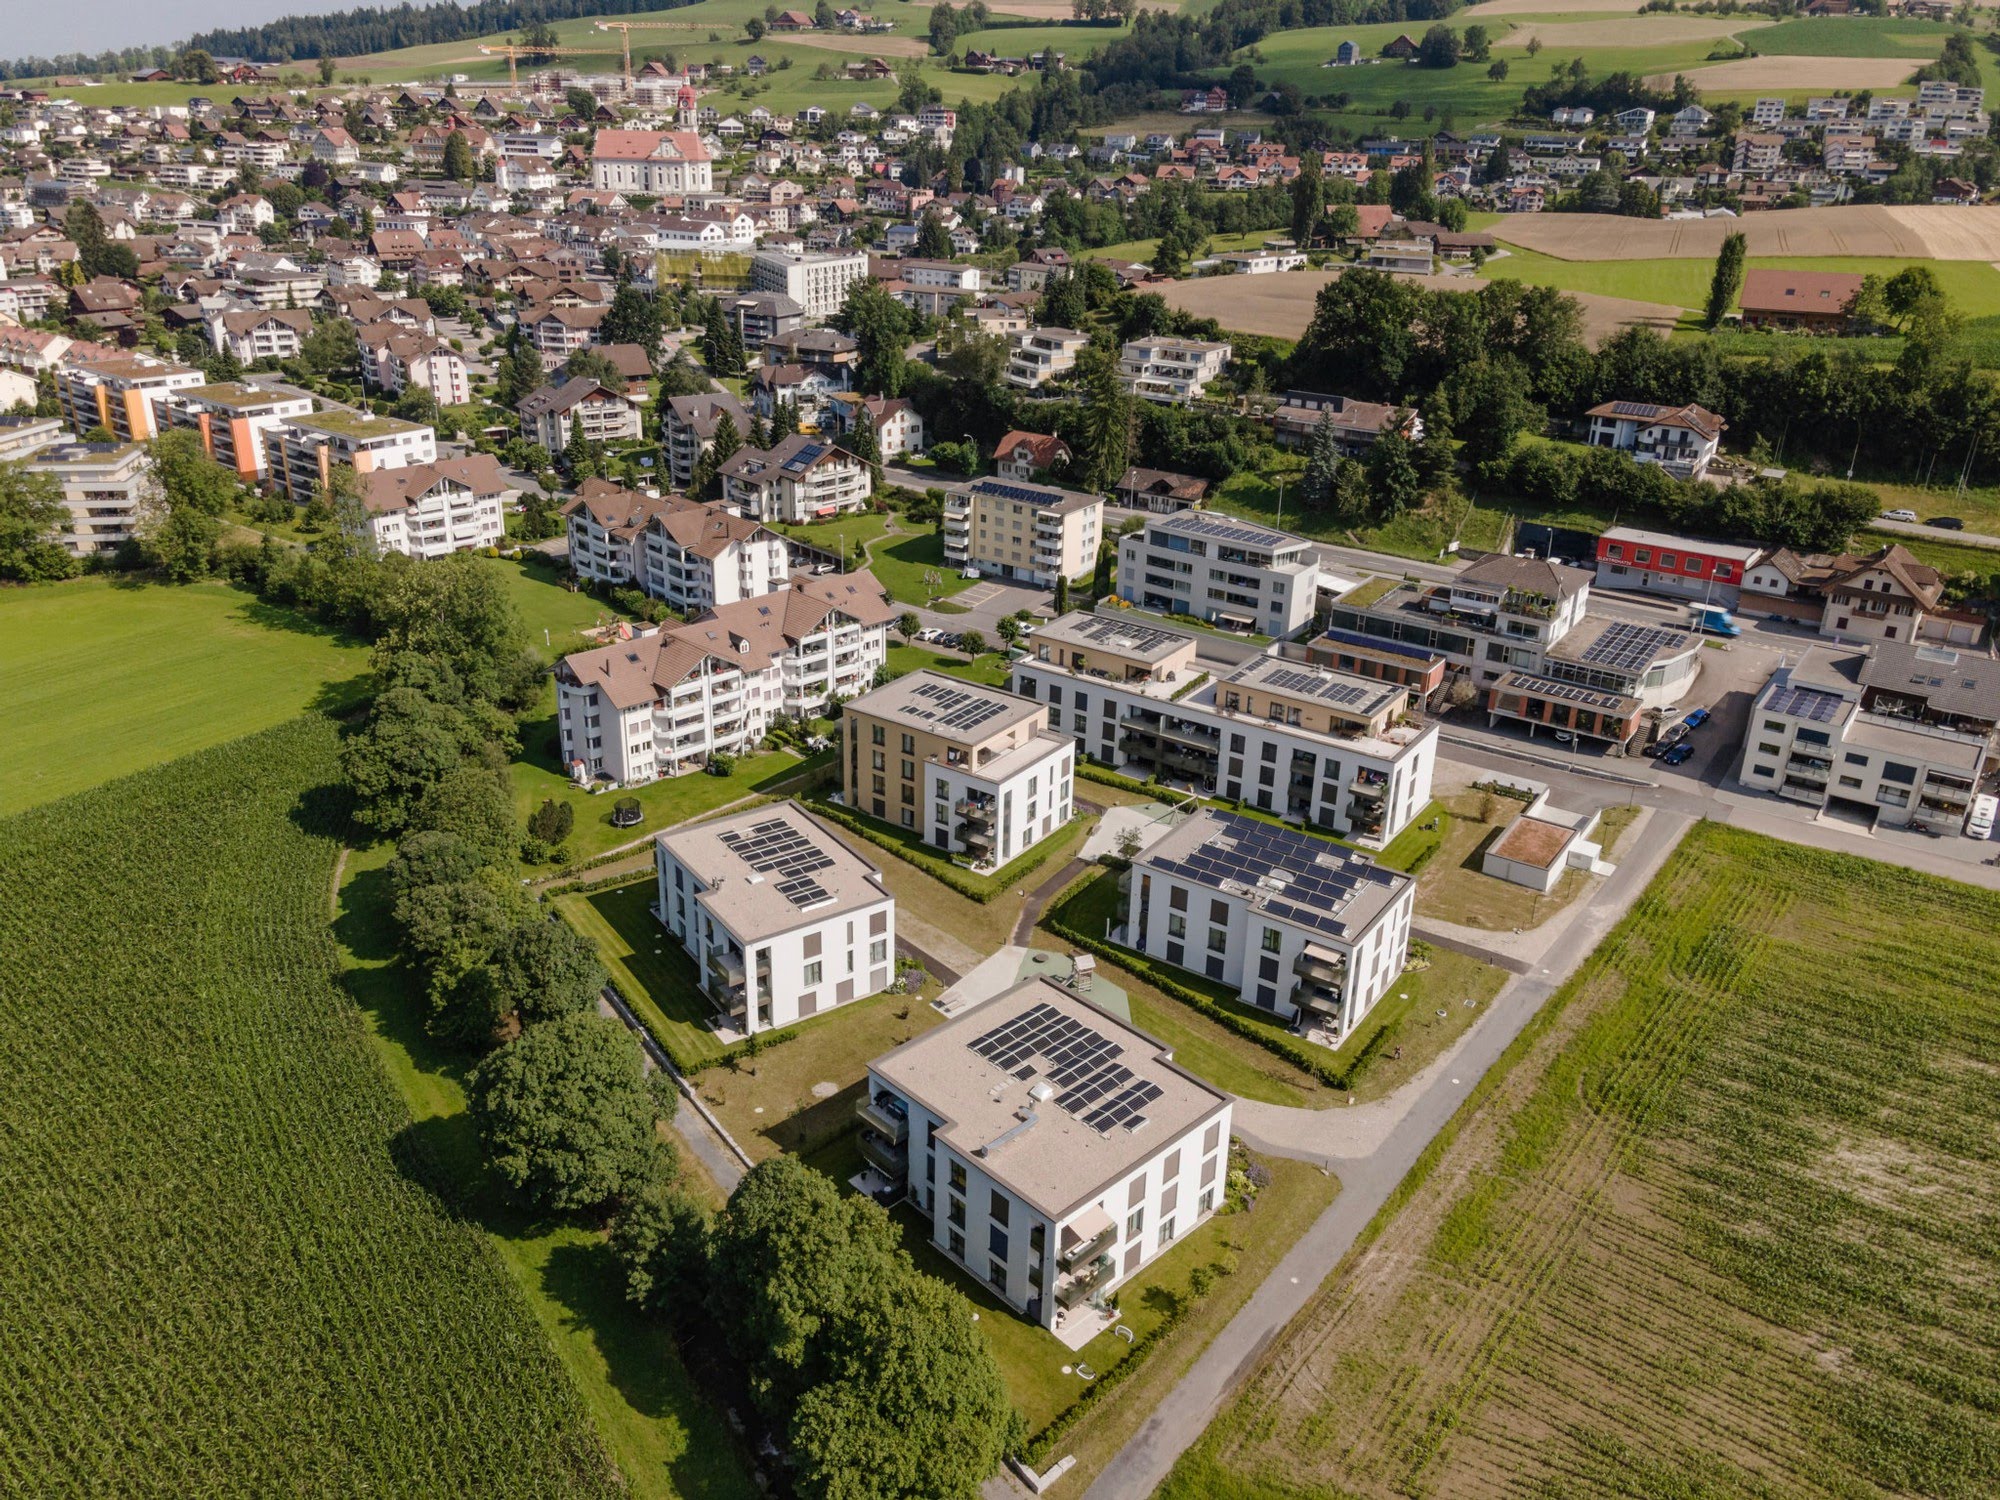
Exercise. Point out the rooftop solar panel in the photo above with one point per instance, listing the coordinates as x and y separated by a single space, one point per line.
1806 703
1568 692
775 847
1080 1061
1629 647
1214 528
1027 494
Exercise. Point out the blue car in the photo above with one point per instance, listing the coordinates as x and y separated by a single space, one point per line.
1681 752
1696 719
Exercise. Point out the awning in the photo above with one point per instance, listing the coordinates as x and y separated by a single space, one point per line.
1244 620
1086 1226
826 510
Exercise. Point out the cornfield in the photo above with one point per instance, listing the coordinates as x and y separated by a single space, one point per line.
1726 1229
219 1273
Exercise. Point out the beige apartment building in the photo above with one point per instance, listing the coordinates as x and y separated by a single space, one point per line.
232 419
973 770
105 487
123 395
1031 533
1170 370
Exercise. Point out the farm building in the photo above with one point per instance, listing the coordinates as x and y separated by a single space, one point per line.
1807 301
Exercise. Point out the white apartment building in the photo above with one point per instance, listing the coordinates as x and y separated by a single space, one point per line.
1220 570
782 920
693 556
1044 354
553 414
1298 926
1054 1150
434 509
393 358
1894 734
106 487
300 453
1029 532
687 429
815 279
258 333
1307 743
662 703
804 478
652 162
123 395
232 420
1170 370
972 770
1683 440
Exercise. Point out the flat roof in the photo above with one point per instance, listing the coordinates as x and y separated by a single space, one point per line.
1116 1097
1224 529
1115 634
354 424
1530 840
965 713
1364 697
81 454
1938 747
235 393
1744 555
1949 681
1621 645
1041 496
1286 875
770 869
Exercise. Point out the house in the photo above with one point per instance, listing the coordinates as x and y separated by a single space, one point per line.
1159 491
1353 758
1356 424
898 428
805 389
791 21
394 358
256 334
433 509
1029 532
1298 926
782 919
652 162
1346 55
334 147
803 478
694 557
1886 596
1400 47
1653 562
1044 354
1027 455
1683 440
1220 570
1175 371
1048 1181
1260 262
551 415
1803 301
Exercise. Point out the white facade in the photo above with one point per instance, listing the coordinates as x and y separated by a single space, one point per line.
433 510
1220 570
1044 354
106 487
817 280
803 479
299 453
1170 370
653 162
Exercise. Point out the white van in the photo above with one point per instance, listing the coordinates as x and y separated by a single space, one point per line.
1979 821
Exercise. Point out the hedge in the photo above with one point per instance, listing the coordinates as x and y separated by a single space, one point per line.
982 889
1042 1443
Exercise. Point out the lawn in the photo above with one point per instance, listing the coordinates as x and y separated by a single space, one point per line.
235 1264
1142 250
1413 1033
1719 1224
907 556
994 669
553 613
104 678
650 968
1853 36
1453 888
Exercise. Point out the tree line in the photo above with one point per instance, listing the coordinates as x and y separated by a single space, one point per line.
349 33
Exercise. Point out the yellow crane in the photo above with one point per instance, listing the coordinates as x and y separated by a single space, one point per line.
626 28
513 53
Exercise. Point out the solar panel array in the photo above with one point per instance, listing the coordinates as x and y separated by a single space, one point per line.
776 848
1102 630
1637 409
1568 692
1297 877
953 708
1376 643
1629 647
804 459
1318 685
1224 531
1080 1061
1806 703
1027 494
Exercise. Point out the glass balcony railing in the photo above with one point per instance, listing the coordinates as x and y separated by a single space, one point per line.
1078 1289
885 1115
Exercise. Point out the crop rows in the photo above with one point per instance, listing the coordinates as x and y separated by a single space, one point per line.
221 1275
1728 1231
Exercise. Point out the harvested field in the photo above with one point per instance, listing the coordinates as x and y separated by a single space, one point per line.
1915 233
1280 304
1061 10
1490 8
1723 1228
1792 73
1646 31
866 46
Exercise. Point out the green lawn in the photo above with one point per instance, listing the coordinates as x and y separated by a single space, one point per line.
1851 36
103 678
651 969
1142 250
553 614
994 669
909 560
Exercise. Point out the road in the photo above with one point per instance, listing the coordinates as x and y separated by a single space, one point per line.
1936 533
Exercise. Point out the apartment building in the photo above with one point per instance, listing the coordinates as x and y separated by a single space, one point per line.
652 162
687 426
300 453
1170 370
1304 742
693 556
1054 1150
804 478
122 395
106 487
433 509
257 333
1884 595
393 358
20 436
1220 570
972 770
1683 440
559 332
783 920
1894 733
233 419
1298 926
817 280
1044 354
553 414
1028 532
662 703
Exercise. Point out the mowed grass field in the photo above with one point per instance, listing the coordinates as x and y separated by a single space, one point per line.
1721 1225
228 1268
103 678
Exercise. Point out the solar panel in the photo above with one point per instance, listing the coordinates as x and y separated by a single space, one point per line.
1125 1109
1636 409
1291 875
775 847
1103 631
1216 529
1107 1080
1568 692
1628 647
952 707
1027 494
1079 1061
1806 703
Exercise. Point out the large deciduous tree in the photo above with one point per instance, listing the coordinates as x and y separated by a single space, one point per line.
32 514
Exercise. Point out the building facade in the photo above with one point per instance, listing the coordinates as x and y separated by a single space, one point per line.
124 396
301 452
551 415
434 509
804 478
817 280
106 487
232 420
1220 570
1655 563
652 162
1029 532
1174 371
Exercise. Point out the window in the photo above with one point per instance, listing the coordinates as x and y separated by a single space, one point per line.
1176 925
1774 726
1166 1232
957 1243
1135 1223
877 736
1850 758
1892 771
1207 1201
1218 939
813 972
909 744
955 1212
996 1273
878 951
1764 748
998 1211
1272 939
958 1176
996 1241
1763 770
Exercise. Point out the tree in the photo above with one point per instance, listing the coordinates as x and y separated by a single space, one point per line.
551 822
32 515
592 363
457 611
722 346
633 318
458 163
565 1115
784 419
1308 199
1060 603
1477 43
972 643
1063 302
189 493
661 1239
1392 471
727 442
754 28
429 858
1009 630
1104 446
759 436
519 375
580 102
933 239
882 327
908 624
1439 48
542 971
1728 278
326 68
329 348
1497 71
864 445
1100 578
579 456
1323 460
471 802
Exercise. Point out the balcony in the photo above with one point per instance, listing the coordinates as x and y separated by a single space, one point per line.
885 1115
1366 816
974 835
1321 965
886 1158
1096 1234
1078 1289
1369 785
976 810
1809 768
1324 999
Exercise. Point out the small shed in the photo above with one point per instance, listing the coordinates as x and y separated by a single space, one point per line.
1542 843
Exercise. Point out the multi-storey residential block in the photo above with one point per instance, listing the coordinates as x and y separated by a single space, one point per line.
1683 440
662 703
1309 744
1053 1150
106 488
1029 532
123 395
782 920
393 358
804 478
233 418
551 415
653 162
1298 926
688 426
1894 733
300 453
20 436
1171 370
1221 570
1044 354
816 280
693 556
972 770
432 509
257 334
1356 425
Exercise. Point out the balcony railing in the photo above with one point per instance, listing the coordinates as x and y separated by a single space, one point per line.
1081 1288
1321 965
975 835
879 1153
885 1116
1375 788
975 810
1085 1251
1323 998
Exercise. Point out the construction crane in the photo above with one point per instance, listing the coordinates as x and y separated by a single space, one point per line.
512 53
626 28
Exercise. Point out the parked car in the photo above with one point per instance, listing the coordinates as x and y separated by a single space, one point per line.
1696 717
1900 515
1946 523
1676 754
1979 821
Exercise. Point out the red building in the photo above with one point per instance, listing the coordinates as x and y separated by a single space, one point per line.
1655 563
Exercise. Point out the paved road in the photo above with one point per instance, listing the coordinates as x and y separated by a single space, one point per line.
1936 533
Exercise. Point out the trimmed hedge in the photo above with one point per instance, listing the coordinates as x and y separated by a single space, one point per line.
1043 1443
982 889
